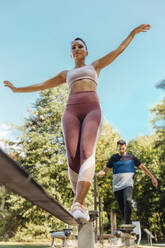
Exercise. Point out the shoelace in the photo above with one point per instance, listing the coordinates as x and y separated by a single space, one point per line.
76 206
85 210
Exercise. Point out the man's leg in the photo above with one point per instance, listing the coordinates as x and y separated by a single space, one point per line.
127 195
120 200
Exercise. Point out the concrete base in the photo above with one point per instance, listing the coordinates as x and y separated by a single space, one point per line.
86 236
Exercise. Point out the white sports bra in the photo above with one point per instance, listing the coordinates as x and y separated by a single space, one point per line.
86 71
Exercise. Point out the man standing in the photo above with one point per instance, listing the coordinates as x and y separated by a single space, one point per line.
123 171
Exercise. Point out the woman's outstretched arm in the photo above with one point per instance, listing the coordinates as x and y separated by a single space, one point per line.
50 83
110 57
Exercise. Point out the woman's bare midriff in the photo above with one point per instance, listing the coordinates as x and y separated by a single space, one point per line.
83 85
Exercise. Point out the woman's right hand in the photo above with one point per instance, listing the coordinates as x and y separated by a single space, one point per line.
10 85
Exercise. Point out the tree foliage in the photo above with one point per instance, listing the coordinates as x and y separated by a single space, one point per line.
161 84
158 122
149 201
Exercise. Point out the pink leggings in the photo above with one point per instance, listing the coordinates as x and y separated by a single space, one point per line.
81 127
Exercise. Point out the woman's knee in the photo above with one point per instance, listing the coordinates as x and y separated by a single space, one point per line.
71 159
86 153
86 172
74 162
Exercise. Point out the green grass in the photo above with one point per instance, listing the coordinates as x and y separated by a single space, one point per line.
23 246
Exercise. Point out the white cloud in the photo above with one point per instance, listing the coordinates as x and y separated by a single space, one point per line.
6 133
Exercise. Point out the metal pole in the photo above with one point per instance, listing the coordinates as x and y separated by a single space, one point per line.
95 206
113 221
100 220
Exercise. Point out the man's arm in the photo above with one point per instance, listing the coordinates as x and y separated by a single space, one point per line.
102 172
148 173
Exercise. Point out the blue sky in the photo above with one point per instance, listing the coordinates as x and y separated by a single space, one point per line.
35 45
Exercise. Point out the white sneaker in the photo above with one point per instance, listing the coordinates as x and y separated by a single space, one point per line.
79 212
85 210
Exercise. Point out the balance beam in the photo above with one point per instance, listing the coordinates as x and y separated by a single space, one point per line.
20 182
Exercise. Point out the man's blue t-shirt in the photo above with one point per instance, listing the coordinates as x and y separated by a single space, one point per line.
123 170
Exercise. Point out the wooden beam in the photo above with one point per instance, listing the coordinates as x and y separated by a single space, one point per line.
20 182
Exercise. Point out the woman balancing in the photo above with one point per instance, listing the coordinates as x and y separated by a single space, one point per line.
82 116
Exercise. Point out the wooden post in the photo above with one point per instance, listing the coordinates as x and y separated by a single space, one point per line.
113 221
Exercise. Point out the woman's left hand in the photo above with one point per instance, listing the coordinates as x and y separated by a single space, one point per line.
141 28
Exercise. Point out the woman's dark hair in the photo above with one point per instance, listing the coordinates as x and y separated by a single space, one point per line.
121 142
82 41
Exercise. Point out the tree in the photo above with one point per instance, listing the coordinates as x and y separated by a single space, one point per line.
161 84
158 122
149 201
